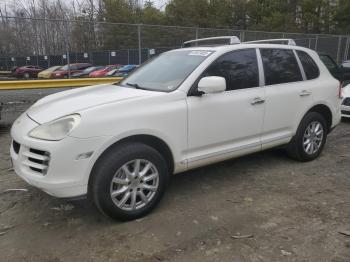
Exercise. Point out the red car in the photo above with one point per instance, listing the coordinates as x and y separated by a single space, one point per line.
63 72
27 71
104 71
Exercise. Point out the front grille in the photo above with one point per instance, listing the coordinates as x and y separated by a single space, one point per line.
16 146
347 113
346 101
37 160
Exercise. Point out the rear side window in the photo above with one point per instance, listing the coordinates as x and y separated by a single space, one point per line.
309 65
280 66
239 68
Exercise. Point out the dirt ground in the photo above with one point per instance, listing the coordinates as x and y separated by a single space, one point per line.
263 207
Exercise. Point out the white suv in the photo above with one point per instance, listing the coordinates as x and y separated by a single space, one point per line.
118 144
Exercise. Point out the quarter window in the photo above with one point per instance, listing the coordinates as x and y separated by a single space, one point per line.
280 66
309 65
239 68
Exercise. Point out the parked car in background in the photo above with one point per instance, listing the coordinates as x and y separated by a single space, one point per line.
346 68
13 70
112 72
104 71
123 71
345 107
87 71
48 72
28 71
64 71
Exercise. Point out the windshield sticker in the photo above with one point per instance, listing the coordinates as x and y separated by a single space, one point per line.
200 53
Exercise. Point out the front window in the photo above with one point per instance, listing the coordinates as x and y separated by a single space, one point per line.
166 72
239 68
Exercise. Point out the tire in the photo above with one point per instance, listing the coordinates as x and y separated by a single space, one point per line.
299 148
118 164
26 75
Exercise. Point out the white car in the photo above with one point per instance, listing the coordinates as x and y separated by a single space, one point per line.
118 144
345 107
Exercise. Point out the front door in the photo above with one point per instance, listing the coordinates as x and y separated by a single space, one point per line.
227 124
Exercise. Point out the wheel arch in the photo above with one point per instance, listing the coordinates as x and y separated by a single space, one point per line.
325 111
155 142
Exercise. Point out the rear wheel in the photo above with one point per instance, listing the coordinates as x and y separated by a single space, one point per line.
310 138
129 181
26 75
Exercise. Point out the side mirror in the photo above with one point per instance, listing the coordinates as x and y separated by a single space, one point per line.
212 84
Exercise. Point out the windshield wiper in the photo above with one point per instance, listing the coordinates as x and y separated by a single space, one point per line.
137 86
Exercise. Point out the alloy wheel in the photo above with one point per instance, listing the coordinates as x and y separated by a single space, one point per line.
134 185
313 138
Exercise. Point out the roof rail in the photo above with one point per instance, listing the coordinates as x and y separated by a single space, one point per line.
230 40
284 41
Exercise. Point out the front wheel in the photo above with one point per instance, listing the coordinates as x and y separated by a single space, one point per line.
129 181
310 138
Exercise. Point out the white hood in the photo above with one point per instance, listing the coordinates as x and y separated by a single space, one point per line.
74 101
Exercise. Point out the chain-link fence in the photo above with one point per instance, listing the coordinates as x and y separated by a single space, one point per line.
45 43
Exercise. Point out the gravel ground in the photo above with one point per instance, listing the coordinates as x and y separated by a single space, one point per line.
263 207
16 101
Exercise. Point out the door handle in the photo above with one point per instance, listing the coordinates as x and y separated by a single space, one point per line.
258 101
305 93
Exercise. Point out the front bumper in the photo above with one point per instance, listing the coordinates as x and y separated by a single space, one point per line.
52 166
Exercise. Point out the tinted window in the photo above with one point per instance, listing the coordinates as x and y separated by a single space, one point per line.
239 68
309 65
280 66
329 62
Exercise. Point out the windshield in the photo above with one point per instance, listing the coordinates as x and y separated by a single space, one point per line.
54 68
127 67
90 69
64 68
166 72
112 72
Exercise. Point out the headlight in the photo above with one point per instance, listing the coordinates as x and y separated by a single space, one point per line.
57 129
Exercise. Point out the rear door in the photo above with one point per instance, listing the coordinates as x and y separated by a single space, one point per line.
288 95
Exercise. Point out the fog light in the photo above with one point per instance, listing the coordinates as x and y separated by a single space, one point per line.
84 156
